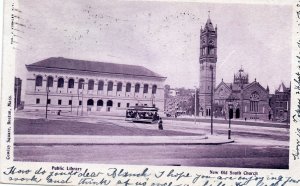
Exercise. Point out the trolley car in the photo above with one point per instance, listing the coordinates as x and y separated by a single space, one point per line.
142 114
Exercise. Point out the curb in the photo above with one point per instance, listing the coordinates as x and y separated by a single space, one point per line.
133 144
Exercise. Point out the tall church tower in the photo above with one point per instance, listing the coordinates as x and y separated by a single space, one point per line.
207 60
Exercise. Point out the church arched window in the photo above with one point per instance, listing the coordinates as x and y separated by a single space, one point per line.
254 102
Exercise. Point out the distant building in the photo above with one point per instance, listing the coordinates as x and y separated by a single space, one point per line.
78 86
181 102
17 92
177 105
280 104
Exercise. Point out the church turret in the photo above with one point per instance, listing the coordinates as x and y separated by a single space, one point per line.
207 60
241 78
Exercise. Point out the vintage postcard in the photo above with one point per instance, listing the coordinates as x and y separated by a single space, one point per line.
150 93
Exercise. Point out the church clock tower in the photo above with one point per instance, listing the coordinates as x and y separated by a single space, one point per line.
207 60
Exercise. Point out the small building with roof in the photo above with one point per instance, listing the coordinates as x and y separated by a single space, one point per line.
79 86
280 103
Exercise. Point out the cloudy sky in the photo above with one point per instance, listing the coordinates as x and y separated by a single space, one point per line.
162 36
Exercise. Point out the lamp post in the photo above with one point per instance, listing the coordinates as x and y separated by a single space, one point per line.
211 100
230 113
230 117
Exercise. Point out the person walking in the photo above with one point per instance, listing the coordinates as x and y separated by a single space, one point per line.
160 124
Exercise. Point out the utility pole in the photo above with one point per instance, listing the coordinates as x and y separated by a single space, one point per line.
78 98
47 90
211 100
195 109
16 93
82 99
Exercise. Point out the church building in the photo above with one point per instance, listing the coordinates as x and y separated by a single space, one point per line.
248 100
208 61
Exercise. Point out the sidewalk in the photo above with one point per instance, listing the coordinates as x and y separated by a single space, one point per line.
22 140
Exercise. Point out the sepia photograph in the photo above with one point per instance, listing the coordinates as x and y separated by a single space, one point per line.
159 83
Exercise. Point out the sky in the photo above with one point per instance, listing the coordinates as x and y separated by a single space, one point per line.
162 36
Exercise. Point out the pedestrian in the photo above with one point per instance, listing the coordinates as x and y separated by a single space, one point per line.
160 124
245 119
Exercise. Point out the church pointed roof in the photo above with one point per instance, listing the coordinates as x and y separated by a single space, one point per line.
282 88
209 26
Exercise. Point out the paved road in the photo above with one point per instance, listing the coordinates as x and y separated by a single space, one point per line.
227 155
169 125
257 147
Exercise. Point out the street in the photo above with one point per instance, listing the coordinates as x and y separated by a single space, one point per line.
254 147
228 155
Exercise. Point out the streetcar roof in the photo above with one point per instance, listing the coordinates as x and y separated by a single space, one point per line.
143 108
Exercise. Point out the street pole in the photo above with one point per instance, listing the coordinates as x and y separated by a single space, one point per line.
211 100
47 90
71 102
78 98
82 99
195 109
16 95
229 129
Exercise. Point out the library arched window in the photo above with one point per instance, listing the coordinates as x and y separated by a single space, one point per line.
109 103
128 87
81 84
119 87
146 87
71 83
154 89
50 81
110 86
100 103
39 81
90 102
91 84
60 83
137 88
100 85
